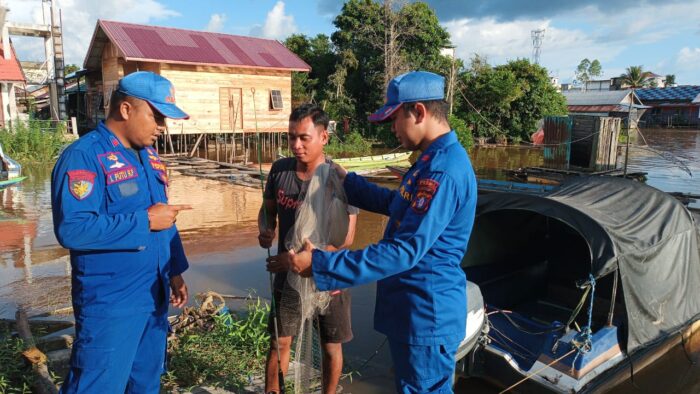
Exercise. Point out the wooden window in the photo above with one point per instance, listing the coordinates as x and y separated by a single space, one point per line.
276 99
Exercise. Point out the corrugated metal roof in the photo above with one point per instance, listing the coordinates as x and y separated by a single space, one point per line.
169 45
10 70
672 93
598 97
604 108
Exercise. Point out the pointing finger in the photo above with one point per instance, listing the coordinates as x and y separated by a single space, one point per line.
180 207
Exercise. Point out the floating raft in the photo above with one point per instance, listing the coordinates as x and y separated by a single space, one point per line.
235 173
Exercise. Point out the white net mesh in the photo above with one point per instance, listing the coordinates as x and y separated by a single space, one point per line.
321 218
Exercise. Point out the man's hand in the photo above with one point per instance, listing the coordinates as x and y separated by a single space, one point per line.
179 295
278 263
162 216
265 238
300 263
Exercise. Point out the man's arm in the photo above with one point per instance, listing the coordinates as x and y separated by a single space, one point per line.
77 193
349 238
267 222
367 195
429 213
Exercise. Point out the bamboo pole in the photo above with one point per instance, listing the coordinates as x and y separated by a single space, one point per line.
196 144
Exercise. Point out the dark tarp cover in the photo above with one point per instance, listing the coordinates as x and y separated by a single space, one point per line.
647 234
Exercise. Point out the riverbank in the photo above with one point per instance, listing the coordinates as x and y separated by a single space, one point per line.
220 238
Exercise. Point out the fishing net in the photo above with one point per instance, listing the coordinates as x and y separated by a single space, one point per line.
321 218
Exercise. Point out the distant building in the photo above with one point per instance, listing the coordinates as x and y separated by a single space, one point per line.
11 77
673 106
615 103
226 83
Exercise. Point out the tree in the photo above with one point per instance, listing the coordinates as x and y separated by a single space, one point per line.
387 39
71 68
588 69
636 77
509 99
318 53
670 80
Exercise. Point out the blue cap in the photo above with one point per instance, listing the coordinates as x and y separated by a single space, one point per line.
157 90
410 87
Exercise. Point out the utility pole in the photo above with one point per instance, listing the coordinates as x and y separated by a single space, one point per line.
451 82
537 37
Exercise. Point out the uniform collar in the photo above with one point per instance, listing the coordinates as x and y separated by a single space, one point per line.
108 135
444 140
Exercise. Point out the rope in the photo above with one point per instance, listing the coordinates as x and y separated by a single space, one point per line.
280 374
583 341
530 375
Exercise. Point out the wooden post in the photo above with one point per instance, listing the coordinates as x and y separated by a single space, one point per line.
196 145
216 145
74 124
44 383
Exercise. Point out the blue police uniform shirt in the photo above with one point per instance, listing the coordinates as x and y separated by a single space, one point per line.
421 289
100 193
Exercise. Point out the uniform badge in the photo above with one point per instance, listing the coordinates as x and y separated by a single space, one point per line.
116 167
81 183
426 190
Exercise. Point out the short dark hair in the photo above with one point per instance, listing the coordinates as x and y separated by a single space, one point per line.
437 108
318 116
115 100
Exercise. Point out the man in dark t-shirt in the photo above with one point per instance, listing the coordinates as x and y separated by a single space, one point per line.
284 192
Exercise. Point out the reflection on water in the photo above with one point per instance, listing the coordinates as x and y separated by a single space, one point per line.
220 237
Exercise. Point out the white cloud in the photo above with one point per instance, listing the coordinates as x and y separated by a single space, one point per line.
216 22
688 58
79 19
278 25
597 36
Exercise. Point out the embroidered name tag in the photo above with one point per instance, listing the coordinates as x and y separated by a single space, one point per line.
121 175
426 191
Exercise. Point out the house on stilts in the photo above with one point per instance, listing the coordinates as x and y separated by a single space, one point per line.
231 86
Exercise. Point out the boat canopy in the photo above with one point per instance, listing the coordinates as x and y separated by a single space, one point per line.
598 226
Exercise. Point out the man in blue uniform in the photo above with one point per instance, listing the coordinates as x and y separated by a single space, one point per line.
421 291
109 195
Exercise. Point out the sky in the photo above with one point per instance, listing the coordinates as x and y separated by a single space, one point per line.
662 36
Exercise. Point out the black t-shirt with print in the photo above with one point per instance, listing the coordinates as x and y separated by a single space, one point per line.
285 187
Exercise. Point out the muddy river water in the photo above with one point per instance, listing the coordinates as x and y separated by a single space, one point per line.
220 237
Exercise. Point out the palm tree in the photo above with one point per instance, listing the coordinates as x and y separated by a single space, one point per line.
635 77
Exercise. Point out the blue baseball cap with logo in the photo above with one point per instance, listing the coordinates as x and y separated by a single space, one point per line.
156 90
410 87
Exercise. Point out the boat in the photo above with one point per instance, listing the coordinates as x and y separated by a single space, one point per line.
10 171
376 161
600 283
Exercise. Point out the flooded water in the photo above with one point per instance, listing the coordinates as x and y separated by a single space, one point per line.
220 237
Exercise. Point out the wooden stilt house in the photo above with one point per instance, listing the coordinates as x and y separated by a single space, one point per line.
226 83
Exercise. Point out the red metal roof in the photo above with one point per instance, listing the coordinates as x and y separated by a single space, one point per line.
10 70
592 108
169 45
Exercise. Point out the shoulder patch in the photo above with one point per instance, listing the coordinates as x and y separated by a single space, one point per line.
81 183
424 195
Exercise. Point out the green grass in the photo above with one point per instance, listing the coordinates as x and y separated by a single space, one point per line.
227 357
15 375
351 145
34 141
